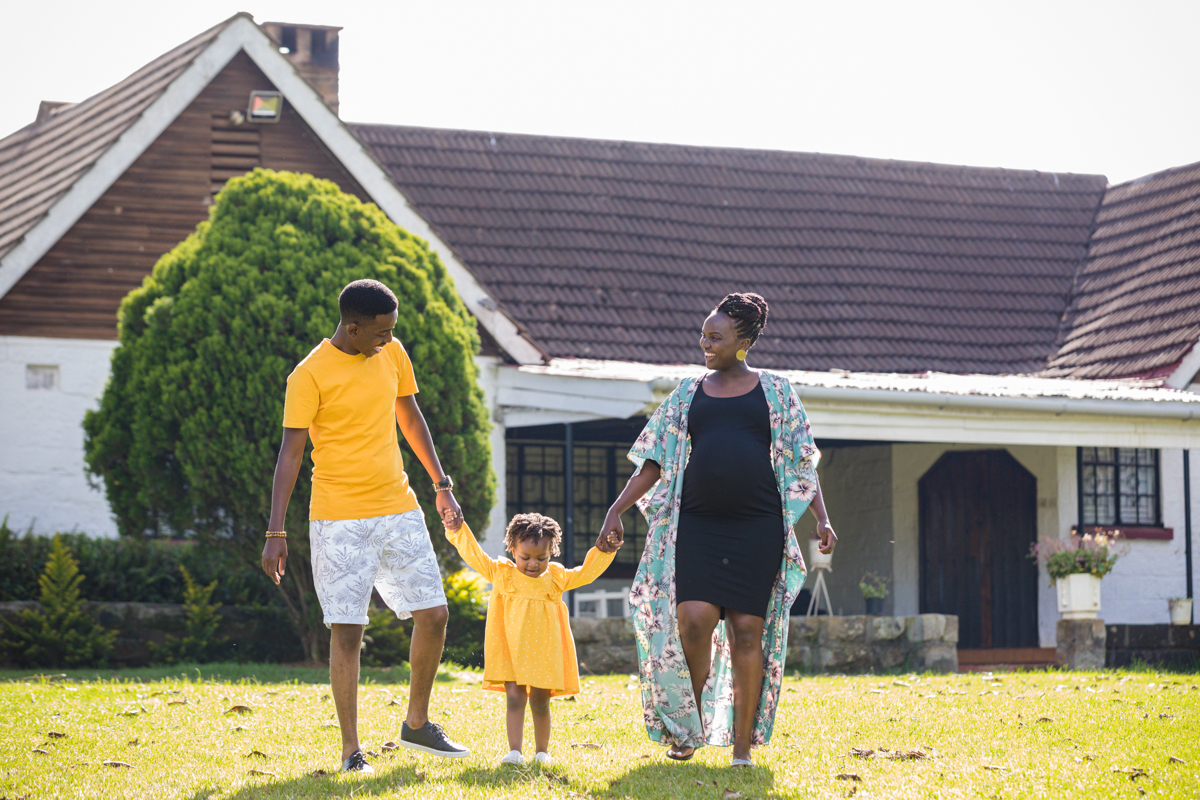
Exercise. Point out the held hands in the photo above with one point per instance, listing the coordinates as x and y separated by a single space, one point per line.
612 534
827 536
448 510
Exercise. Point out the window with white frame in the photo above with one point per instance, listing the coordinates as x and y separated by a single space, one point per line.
1119 486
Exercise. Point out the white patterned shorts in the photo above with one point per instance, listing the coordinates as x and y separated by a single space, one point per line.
392 554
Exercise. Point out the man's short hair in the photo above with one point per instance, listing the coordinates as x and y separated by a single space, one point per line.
364 300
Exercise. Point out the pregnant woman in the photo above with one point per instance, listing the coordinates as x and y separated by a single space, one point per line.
732 465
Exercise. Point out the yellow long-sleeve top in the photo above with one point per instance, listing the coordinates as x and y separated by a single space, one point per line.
528 638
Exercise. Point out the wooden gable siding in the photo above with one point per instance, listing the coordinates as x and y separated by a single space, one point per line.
75 289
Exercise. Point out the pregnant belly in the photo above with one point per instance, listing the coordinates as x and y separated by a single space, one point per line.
730 484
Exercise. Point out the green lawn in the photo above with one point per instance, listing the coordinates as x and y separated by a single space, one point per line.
1012 735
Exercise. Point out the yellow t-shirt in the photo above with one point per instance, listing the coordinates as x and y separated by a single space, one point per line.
348 404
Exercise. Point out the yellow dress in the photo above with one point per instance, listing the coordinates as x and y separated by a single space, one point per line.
528 638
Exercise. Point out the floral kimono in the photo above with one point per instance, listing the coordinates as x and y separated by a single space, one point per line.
670 710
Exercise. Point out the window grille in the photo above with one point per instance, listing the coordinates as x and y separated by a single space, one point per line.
1119 486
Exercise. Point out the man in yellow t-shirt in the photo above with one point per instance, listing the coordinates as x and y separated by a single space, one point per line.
365 527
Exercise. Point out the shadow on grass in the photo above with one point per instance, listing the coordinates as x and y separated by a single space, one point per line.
688 779
388 779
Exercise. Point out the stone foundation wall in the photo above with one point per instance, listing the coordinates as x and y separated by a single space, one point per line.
815 644
1171 646
873 644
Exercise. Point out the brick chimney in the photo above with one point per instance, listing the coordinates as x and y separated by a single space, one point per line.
313 49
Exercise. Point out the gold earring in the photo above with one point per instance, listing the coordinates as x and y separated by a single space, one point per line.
741 355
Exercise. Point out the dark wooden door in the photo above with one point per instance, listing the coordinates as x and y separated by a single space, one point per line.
978 518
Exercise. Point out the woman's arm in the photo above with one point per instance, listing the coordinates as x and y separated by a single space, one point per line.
637 486
824 529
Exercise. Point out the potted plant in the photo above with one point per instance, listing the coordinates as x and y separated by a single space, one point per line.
874 589
1075 566
1181 610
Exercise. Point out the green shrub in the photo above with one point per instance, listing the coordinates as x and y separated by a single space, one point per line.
59 633
200 643
131 569
388 638
188 429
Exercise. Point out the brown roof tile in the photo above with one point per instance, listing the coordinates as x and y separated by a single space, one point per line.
40 162
1135 309
615 250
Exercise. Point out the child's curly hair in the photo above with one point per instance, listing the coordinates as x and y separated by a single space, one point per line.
526 527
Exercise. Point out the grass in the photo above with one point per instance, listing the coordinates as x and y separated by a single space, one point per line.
1011 735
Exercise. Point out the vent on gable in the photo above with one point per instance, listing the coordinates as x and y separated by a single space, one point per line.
236 148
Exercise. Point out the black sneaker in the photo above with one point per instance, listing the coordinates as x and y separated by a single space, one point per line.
430 738
357 762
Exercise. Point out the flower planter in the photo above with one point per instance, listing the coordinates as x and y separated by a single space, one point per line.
1078 596
1181 610
874 606
817 559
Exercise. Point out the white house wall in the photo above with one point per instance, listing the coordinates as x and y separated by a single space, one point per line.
42 478
1151 571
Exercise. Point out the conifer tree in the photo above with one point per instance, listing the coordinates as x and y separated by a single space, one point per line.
202 617
59 633
189 426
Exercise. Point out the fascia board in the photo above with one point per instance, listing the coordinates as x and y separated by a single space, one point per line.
1182 377
120 156
371 175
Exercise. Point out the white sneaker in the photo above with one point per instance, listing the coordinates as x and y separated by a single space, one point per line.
543 758
514 757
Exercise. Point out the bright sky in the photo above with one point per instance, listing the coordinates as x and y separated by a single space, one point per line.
1099 87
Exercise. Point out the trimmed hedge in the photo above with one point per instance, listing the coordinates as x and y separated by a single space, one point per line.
132 569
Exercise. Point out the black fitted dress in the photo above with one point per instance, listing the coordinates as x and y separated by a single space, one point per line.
730 539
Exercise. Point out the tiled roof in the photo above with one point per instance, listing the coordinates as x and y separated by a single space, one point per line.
1136 305
616 250
40 162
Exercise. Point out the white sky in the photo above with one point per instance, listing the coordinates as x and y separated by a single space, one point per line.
1099 87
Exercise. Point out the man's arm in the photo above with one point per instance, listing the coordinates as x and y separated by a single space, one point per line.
287 468
416 433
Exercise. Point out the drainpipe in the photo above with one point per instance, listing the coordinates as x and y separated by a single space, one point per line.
569 506
1187 517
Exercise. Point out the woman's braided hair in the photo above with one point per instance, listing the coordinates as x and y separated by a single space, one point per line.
532 527
748 311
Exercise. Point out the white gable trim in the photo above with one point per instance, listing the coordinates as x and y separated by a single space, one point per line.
120 156
1187 369
243 34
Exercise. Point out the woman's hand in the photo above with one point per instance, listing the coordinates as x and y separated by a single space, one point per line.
612 532
827 536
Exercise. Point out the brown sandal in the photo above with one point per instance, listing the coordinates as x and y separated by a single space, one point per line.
673 753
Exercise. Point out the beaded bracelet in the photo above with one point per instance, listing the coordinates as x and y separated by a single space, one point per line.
276 534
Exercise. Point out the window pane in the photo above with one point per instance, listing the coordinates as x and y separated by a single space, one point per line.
1105 481
615 607
1105 455
1127 455
1105 510
1146 480
1145 456
1129 508
1129 479
1146 511
1089 510
1089 480
1089 455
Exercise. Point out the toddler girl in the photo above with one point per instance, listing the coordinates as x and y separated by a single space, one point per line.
528 651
